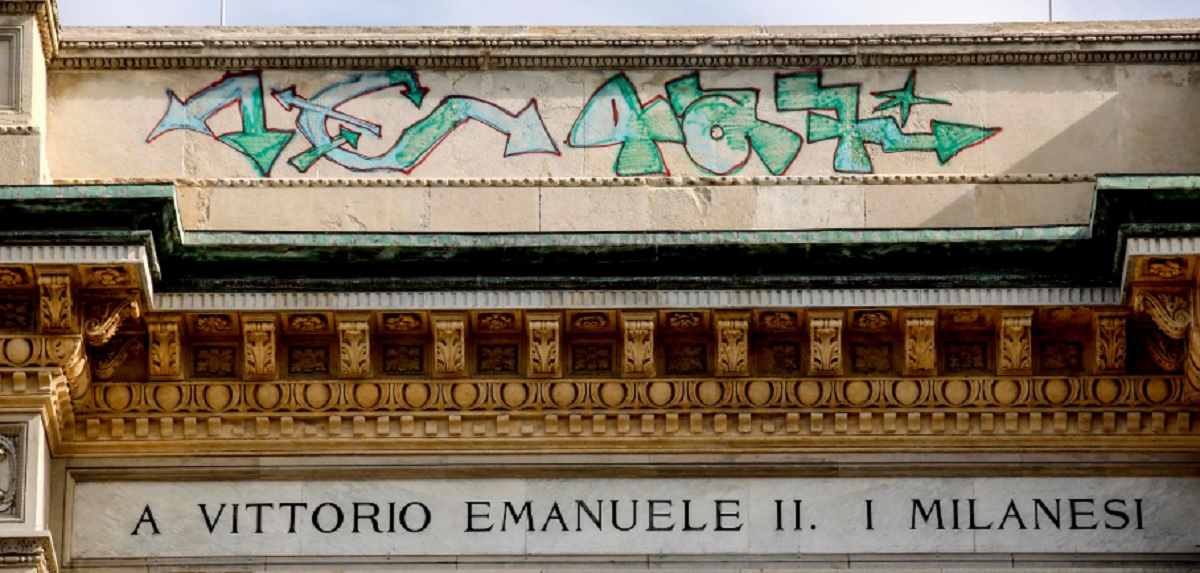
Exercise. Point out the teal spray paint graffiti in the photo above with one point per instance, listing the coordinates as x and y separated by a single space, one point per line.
721 127
524 130
260 145
614 115
805 92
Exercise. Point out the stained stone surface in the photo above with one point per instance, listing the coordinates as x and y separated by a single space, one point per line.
680 517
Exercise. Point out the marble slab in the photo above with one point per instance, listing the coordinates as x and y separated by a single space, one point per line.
613 517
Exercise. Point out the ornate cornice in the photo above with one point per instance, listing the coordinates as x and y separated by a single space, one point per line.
765 180
67 62
49 27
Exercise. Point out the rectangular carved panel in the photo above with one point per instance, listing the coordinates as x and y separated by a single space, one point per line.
637 332
258 347
354 347
449 345
1111 341
920 346
825 341
733 344
165 347
56 305
544 337
1015 343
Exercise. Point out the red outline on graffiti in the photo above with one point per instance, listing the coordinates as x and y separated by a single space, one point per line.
215 136
751 151
666 171
820 84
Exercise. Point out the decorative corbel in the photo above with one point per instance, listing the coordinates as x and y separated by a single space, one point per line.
1169 310
110 357
105 316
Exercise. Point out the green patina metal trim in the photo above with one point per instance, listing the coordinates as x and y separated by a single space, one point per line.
1068 255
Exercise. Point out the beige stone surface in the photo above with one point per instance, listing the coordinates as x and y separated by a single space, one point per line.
490 209
20 159
919 206
701 208
581 209
1033 205
370 209
787 207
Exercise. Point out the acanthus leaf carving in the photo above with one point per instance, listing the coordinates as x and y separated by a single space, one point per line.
1169 310
825 334
449 346
56 304
733 346
258 341
544 345
920 347
165 349
1111 343
1016 343
354 348
104 317
638 333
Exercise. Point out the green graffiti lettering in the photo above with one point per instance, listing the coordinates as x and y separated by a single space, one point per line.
721 127
615 116
804 91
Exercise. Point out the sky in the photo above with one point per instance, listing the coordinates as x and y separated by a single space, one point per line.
605 12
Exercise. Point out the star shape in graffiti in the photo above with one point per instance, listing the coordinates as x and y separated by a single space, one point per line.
905 98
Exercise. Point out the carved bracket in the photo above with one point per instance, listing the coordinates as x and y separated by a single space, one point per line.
105 316
1169 310
110 357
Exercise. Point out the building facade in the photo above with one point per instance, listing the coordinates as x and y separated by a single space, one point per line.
646 298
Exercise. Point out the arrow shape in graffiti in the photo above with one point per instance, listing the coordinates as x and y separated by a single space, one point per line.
261 145
945 138
290 100
304 161
524 130
805 91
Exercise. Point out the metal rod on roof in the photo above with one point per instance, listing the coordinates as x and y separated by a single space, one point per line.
1050 1
222 12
